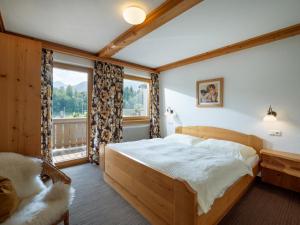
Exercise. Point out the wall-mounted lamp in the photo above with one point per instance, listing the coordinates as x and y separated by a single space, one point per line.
271 115
169 112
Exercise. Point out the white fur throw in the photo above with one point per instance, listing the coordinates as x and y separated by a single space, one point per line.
23 172
41 205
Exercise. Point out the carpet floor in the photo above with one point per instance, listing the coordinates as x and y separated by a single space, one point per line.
98 204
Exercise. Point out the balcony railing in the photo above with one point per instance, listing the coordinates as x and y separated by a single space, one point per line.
67 133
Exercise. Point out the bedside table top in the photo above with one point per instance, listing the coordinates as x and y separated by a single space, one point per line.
285 162
284 155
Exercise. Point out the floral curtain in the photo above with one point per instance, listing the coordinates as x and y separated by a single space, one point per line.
154 106
46 103
106 108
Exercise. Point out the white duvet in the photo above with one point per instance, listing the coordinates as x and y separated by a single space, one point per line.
207 172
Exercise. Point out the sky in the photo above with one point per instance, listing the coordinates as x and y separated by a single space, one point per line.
68 77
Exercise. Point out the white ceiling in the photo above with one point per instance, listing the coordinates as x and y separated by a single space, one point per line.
85 24
92 24
210 25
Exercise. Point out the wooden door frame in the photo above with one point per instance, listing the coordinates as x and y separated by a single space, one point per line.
89 72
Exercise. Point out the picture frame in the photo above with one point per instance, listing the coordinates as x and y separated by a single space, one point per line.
210 92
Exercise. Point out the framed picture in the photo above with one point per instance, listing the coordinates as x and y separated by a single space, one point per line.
210 92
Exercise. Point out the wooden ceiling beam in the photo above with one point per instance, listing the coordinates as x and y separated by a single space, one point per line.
161 15
2 27
249 43
84 54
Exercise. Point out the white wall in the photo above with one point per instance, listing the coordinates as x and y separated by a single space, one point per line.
253 79
135 132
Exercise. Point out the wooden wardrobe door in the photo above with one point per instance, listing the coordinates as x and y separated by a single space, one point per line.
20 106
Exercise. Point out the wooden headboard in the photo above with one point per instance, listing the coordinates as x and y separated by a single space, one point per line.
224 134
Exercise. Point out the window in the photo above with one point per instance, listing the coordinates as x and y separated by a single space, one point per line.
70 95
136 99
70 113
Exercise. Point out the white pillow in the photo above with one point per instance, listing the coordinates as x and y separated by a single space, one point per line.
23 172
229 148
183 139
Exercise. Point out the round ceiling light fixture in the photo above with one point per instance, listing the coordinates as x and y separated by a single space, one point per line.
134 15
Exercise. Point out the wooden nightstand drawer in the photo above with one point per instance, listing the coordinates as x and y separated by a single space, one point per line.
281 169
280 179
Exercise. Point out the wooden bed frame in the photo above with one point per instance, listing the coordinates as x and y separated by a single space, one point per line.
163 199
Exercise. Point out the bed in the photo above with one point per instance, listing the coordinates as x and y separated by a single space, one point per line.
163 199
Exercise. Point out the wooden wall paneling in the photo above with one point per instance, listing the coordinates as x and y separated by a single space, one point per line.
32 86
249 43
161 15
5 82
20 69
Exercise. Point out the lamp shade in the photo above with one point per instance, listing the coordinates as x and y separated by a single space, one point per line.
167 113
271 115
134 15
269 118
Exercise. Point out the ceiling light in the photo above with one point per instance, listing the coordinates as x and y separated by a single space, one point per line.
134 15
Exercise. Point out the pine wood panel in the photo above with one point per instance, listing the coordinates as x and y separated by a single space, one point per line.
67 135
272 176
153 190
135 185
161 15
58 139
69 132
232 195
163 199
282 155
20 114
134 201
223 134
281 169
75 138
249 43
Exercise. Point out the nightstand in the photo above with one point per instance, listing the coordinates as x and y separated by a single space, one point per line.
281 169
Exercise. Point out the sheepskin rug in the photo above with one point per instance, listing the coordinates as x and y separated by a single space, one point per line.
40 204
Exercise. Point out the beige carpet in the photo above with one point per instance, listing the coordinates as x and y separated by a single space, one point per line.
97 204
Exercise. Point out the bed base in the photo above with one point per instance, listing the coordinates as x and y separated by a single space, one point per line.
165 200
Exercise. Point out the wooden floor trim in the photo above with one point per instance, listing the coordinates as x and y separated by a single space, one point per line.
73 162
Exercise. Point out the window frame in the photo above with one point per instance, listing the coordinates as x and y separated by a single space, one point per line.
89 72
138 119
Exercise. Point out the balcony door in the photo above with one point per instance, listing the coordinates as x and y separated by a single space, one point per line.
70 114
